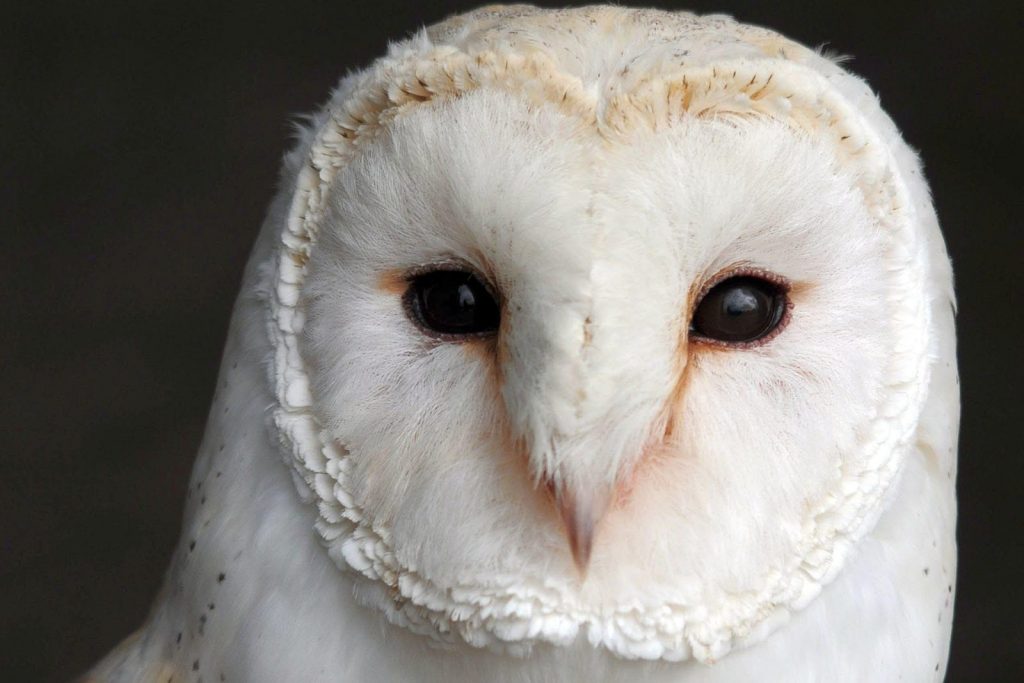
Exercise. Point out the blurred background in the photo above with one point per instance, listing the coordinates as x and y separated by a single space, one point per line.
139 146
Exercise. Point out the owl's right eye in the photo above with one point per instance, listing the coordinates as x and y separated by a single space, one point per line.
452 304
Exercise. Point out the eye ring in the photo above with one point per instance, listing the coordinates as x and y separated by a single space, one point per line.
749 306
451 301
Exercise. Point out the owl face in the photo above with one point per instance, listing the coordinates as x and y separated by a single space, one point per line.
643 381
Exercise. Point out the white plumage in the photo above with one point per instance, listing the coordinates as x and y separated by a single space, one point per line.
595 491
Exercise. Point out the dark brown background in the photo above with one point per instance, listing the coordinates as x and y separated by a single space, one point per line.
139 150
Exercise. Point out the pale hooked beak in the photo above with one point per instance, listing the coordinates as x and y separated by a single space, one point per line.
582 513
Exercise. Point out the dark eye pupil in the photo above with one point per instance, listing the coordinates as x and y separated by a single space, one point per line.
453 302
740 309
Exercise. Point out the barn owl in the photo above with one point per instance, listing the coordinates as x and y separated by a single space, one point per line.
597 344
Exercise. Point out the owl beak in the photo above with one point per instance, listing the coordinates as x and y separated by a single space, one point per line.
582 514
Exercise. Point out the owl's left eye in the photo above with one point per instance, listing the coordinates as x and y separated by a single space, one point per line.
740 310
452 303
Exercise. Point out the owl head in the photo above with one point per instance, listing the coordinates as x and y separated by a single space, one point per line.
603 322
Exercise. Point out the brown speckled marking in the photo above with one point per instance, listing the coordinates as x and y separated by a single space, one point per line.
931 457
660 444
485 350
674 405
393 282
